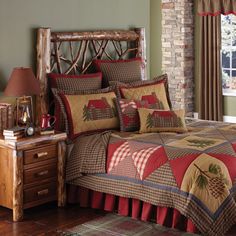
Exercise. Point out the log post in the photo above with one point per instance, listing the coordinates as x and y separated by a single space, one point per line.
17 185
61 174
141 44
43 67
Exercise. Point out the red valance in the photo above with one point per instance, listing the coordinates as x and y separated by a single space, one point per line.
216 7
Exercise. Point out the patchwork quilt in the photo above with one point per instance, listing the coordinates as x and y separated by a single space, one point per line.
194 172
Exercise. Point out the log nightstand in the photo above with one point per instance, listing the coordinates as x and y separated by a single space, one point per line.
32 172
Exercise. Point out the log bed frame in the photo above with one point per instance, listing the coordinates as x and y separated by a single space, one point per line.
74 52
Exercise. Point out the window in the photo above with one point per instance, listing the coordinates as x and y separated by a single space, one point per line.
228 54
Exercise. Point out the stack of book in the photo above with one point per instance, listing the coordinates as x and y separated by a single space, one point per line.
14 133
47 131
6 116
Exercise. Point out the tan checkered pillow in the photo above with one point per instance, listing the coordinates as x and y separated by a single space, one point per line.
119 70
161 121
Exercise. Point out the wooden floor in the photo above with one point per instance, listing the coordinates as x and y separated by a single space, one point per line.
45 220
49 220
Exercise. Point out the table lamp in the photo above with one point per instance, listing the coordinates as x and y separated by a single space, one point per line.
23 84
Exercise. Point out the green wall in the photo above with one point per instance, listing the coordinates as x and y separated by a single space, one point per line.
155 38
19 20
229 106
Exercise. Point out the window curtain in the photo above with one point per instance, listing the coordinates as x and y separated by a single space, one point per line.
209 77
216 7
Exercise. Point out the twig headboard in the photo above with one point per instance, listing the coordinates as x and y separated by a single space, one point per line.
74 52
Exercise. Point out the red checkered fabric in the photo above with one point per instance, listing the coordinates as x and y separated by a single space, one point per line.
141 157
121 152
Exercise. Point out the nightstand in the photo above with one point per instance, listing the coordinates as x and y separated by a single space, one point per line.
32 172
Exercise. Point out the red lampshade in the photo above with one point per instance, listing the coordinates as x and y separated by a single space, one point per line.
22 82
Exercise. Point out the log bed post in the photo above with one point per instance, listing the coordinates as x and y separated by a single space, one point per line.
61 174
43 67
17 185
141 44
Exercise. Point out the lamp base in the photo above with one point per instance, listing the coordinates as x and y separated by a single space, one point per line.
24 111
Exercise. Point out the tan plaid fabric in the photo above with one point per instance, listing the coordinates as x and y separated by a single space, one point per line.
76 82
120 70
88 155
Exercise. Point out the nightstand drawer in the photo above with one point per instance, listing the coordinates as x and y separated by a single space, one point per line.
40 193
40 154
40 173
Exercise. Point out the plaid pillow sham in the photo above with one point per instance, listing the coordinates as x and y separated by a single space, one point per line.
72 83
119 70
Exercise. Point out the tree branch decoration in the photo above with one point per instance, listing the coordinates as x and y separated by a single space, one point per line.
216 184
77 57
200 143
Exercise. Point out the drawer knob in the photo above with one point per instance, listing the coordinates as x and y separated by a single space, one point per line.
41 154
42 192
42 173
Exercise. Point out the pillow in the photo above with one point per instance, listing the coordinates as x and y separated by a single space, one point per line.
89 112
161 121
61 112
155 92
120 70
72 83
76 82
128 113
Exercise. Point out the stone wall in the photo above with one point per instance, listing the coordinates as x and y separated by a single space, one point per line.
178 51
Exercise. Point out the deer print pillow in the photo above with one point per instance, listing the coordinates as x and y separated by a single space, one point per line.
161 121
90 112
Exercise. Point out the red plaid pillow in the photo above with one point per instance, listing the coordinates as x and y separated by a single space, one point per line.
128 113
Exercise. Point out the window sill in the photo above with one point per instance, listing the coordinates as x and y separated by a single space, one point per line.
232 94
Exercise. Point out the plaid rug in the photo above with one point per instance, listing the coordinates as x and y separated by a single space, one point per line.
115 225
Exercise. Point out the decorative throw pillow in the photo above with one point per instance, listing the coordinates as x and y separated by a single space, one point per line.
119 70
154 92
90 112
161 121
76 82
72 83
128 113
61 112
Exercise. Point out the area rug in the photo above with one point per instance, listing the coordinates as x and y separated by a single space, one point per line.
115 225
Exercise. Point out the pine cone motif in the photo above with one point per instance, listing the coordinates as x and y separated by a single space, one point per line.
216 184
216 187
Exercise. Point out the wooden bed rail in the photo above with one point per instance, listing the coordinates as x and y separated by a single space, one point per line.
74 52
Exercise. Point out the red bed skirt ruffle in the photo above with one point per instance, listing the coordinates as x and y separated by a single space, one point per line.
137 209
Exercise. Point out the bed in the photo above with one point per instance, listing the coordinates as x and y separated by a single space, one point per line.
127 150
